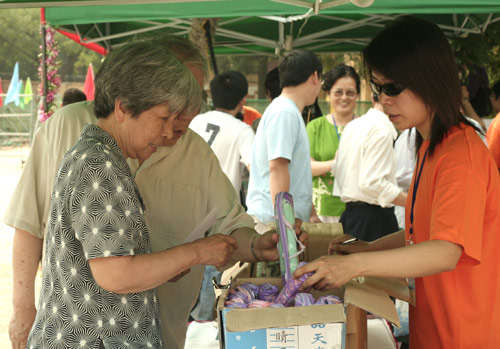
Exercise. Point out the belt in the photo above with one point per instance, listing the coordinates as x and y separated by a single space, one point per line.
356 203
353 204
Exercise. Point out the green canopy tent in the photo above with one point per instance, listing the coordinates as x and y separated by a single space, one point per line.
259 26
268 26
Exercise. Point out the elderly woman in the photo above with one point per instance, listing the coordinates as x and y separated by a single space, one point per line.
99 273
342 85
450 250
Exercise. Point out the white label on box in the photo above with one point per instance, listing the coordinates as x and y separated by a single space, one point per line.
282 338
316 336
320 336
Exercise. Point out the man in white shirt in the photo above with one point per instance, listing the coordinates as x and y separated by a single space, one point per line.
229 137
231 140
365 171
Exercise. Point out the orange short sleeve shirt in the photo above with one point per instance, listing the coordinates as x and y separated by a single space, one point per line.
458 200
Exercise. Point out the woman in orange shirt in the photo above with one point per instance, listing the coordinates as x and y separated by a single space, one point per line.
451 246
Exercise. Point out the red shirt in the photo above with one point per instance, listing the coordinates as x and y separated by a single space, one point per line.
250 114
458 200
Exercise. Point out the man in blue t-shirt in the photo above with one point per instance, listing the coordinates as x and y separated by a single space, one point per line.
280 158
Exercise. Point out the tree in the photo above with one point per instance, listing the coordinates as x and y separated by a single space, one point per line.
482 49
20 42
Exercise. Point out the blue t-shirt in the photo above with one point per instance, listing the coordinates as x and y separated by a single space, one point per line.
281 134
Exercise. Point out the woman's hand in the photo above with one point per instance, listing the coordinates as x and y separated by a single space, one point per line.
215 249
328 272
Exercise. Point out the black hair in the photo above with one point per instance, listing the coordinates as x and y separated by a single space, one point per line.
337 72
73 95
297 67
272 83
311 112
228 89
495 89
415 53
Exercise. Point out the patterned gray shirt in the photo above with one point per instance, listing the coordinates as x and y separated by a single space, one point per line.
96 211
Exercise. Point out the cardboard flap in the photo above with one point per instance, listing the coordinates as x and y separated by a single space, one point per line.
238 320
219 302
397 288
372 300
329 229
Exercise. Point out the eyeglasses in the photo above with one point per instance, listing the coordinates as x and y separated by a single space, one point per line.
348 93
390 89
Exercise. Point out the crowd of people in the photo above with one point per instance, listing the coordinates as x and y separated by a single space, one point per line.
113 188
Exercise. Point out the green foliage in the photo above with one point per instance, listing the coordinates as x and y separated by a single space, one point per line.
481 49
20 41
75 59
245 64
331 60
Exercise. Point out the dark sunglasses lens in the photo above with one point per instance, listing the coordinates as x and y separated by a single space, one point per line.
393 89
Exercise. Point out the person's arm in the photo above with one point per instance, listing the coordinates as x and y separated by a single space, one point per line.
422 259
400 200
279 177
387 242
26 256
264 245
314 215
320 167
153 269
317 167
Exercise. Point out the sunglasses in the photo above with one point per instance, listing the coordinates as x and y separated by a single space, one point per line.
390 89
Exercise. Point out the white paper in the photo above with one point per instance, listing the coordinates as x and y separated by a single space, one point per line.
203 227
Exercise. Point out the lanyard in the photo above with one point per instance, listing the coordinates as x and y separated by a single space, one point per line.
415 187
336 128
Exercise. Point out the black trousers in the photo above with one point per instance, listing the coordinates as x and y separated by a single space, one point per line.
368 222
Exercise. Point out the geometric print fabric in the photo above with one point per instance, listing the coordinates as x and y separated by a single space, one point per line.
96 211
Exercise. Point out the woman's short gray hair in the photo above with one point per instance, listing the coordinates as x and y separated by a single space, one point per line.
146 73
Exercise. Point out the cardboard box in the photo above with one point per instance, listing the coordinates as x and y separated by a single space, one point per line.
336 326
319 237
316 326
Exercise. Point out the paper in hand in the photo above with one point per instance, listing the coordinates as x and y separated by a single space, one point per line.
203 227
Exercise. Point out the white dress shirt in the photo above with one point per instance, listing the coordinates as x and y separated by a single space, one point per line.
365 167
405 155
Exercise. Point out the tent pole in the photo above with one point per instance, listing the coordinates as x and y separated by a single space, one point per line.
44 59
206 26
